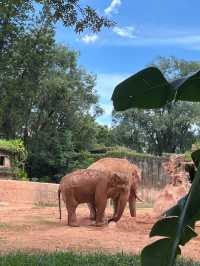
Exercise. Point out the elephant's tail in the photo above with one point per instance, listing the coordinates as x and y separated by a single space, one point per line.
59 191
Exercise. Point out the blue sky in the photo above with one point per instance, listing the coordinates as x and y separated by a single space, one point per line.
145 29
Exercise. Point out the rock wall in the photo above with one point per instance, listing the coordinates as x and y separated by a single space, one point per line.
154 176
24 192
153 172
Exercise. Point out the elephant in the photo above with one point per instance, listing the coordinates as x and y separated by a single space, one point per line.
119 166
93 187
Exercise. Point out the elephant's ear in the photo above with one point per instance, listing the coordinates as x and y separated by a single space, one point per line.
115 179
120 179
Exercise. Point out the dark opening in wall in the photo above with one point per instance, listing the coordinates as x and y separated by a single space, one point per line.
2 160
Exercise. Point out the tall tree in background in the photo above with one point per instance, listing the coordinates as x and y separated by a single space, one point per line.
170 129
47 100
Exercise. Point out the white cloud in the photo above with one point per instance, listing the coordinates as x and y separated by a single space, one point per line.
113 7
187 41
128 31
90 38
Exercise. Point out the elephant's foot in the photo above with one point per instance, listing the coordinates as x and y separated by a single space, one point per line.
101 223
72 221
112 219
74 224
92 217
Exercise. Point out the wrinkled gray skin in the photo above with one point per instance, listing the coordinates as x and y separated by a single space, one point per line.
93 187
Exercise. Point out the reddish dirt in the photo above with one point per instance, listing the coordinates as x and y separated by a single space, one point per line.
33 228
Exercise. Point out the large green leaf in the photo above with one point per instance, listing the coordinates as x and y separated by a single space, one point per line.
168 226
196 157
158 253
177 209
150 89
146 89
188 88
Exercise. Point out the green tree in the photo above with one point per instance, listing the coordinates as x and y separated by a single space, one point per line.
104 136
169 129
47 101
70 12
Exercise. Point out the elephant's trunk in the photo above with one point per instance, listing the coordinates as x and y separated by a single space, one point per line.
120 208
132 203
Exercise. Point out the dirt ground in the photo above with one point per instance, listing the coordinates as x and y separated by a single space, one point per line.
33 228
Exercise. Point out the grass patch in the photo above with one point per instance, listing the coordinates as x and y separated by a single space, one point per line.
144 205
72 259
4 226
14 227
44 205
42 221
67 259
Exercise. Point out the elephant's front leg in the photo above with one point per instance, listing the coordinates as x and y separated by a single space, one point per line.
100 203
100 206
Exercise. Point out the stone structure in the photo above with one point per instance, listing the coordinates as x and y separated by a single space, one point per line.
5 165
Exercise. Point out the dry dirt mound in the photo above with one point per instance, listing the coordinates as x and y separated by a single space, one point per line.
177 187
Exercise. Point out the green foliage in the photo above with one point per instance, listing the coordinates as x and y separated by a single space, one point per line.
76 259
46 98
104 136
47 101
20 174
196 146
123 152
71 13
82 160
187 155
18 156
15 147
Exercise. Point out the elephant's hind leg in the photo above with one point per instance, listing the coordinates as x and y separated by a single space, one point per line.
71 205
115 203
92 209
72 220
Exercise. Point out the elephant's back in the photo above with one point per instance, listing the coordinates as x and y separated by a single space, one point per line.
83 177
113 165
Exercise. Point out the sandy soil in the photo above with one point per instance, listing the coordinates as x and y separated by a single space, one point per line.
38 228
